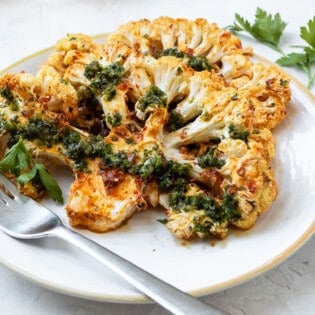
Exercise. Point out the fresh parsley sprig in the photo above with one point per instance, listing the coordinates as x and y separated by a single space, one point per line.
266 28
19 162
306 57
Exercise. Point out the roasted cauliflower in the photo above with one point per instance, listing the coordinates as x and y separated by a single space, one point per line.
170 111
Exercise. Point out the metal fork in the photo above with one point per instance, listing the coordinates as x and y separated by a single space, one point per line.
23 218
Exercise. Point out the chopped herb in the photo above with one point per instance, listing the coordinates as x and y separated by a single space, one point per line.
92 69
230 206
86 96
210 160
172 52
163 221
284 82
109 92
74 148
154 97
228 210
44 130
78 149
202 228
117 160
6 126
104 79
114 120
198 63
149 166
238 132
6 93
168 174
175 121
179 70
64 81
234 97
172 175
130 141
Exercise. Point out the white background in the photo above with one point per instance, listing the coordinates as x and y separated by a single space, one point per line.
30 25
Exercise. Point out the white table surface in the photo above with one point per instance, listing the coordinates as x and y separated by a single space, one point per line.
31 25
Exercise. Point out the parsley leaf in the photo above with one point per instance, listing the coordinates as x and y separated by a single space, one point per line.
309 34
292 59
306 57
266 28
49 182
27 176
19 161
16 160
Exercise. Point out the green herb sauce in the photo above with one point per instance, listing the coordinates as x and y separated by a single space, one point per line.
172 52
210 160
198 63
104 79
154 97
114 120
228 210
175 121
238 132
6 93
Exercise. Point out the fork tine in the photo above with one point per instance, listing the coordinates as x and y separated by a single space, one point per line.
10 187
5 199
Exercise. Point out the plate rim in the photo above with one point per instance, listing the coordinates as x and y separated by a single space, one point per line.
142 299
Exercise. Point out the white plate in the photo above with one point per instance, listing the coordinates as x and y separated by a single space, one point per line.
198 267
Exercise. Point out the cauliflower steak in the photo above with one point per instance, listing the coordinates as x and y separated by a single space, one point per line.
167 112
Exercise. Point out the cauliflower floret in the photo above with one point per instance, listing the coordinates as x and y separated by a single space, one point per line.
198 38
195 213
75 41
235 66
169 81
102 199
56 94
22 87
100 73
201 85
134 33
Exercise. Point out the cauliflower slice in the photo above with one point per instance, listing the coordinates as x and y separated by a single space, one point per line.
197 142
94 72
56 94
135 33
195 213
197 37
241 183
102 200
97 200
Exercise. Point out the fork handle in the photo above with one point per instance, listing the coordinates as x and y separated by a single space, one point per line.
164 294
